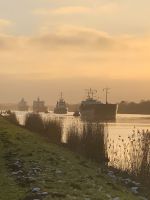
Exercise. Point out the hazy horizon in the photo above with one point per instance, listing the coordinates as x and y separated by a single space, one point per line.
49 46
49 90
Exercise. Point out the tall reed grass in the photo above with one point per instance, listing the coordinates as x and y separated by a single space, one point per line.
89 141
34 122
52 129
73 139
132 155
11 117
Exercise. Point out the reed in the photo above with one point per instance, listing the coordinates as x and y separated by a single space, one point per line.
11 117
94 142
34 122
132 155
53 130
73 139
89 141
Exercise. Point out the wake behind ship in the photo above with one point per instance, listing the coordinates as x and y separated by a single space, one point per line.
93 109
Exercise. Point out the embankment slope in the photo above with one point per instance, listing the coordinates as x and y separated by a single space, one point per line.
32 168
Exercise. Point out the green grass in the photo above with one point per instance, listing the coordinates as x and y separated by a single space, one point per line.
63 175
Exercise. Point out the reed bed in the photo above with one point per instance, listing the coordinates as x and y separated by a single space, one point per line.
89 141
34 122
11 117
52 129
132 155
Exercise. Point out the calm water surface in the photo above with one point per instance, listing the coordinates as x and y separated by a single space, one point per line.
118 131
124 125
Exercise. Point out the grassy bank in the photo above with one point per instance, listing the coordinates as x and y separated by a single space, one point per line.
31 168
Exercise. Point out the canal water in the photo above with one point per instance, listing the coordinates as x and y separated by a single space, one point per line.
118 133
124 125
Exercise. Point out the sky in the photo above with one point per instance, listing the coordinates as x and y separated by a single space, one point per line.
49 46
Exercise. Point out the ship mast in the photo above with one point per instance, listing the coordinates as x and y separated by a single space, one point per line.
107 92
61 95
91 93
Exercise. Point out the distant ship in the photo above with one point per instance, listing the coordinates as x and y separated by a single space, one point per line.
39 106
93 109
22 105
61 106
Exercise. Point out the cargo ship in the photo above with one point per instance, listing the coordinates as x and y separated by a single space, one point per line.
95 110
39 106
61 106
22 105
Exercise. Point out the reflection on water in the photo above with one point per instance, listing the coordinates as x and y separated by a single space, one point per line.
124 125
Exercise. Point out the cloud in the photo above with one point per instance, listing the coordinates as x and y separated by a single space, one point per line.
4 24
73 37
63 10
107 8
86 39
71 51
9 42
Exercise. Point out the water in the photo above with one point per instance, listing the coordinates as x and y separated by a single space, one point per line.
124 125
117 131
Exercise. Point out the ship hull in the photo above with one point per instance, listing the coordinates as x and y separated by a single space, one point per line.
60 111
22 108
37 110
99 112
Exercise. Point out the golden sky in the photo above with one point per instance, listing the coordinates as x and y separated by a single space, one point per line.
51 45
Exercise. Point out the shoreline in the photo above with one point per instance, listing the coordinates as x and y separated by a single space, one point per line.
53 170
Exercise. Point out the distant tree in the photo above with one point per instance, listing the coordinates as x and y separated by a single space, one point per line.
143 107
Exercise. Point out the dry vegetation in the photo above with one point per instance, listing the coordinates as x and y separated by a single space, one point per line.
132 155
